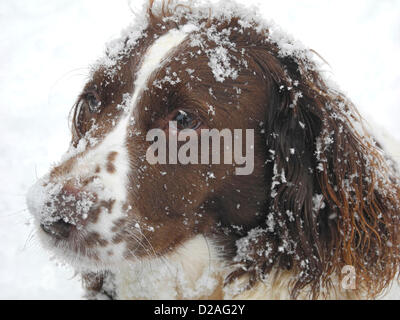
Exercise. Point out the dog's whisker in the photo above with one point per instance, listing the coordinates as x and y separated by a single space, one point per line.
29 239
15 213
148 242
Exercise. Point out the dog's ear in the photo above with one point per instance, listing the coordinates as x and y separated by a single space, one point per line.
333 199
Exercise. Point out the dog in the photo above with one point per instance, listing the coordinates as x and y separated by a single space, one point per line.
316 218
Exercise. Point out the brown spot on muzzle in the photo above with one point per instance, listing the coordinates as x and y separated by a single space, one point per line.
95 213
94 239
71 189
110 162
63 169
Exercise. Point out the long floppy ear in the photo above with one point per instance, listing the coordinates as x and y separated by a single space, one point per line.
333 198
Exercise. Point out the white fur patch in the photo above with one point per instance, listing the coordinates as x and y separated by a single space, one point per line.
154 58
190 272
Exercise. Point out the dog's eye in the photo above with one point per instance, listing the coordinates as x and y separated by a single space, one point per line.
93 102
186 120
88 105
79 117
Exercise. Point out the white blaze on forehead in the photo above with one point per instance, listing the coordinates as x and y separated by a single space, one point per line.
155 55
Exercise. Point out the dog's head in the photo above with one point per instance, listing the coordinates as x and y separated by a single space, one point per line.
320 194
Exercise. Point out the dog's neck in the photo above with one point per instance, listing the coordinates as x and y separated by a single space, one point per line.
195 271
192 271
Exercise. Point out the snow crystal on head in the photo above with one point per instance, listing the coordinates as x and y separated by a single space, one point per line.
220 59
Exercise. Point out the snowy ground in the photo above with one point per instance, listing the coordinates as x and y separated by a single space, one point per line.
45 48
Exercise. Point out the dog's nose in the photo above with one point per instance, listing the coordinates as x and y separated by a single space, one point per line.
59 229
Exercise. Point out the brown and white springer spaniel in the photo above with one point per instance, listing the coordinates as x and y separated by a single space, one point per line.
322 197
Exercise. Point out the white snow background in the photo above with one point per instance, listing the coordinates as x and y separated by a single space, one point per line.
46 48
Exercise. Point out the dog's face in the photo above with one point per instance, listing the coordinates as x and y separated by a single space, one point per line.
319 196
105 203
